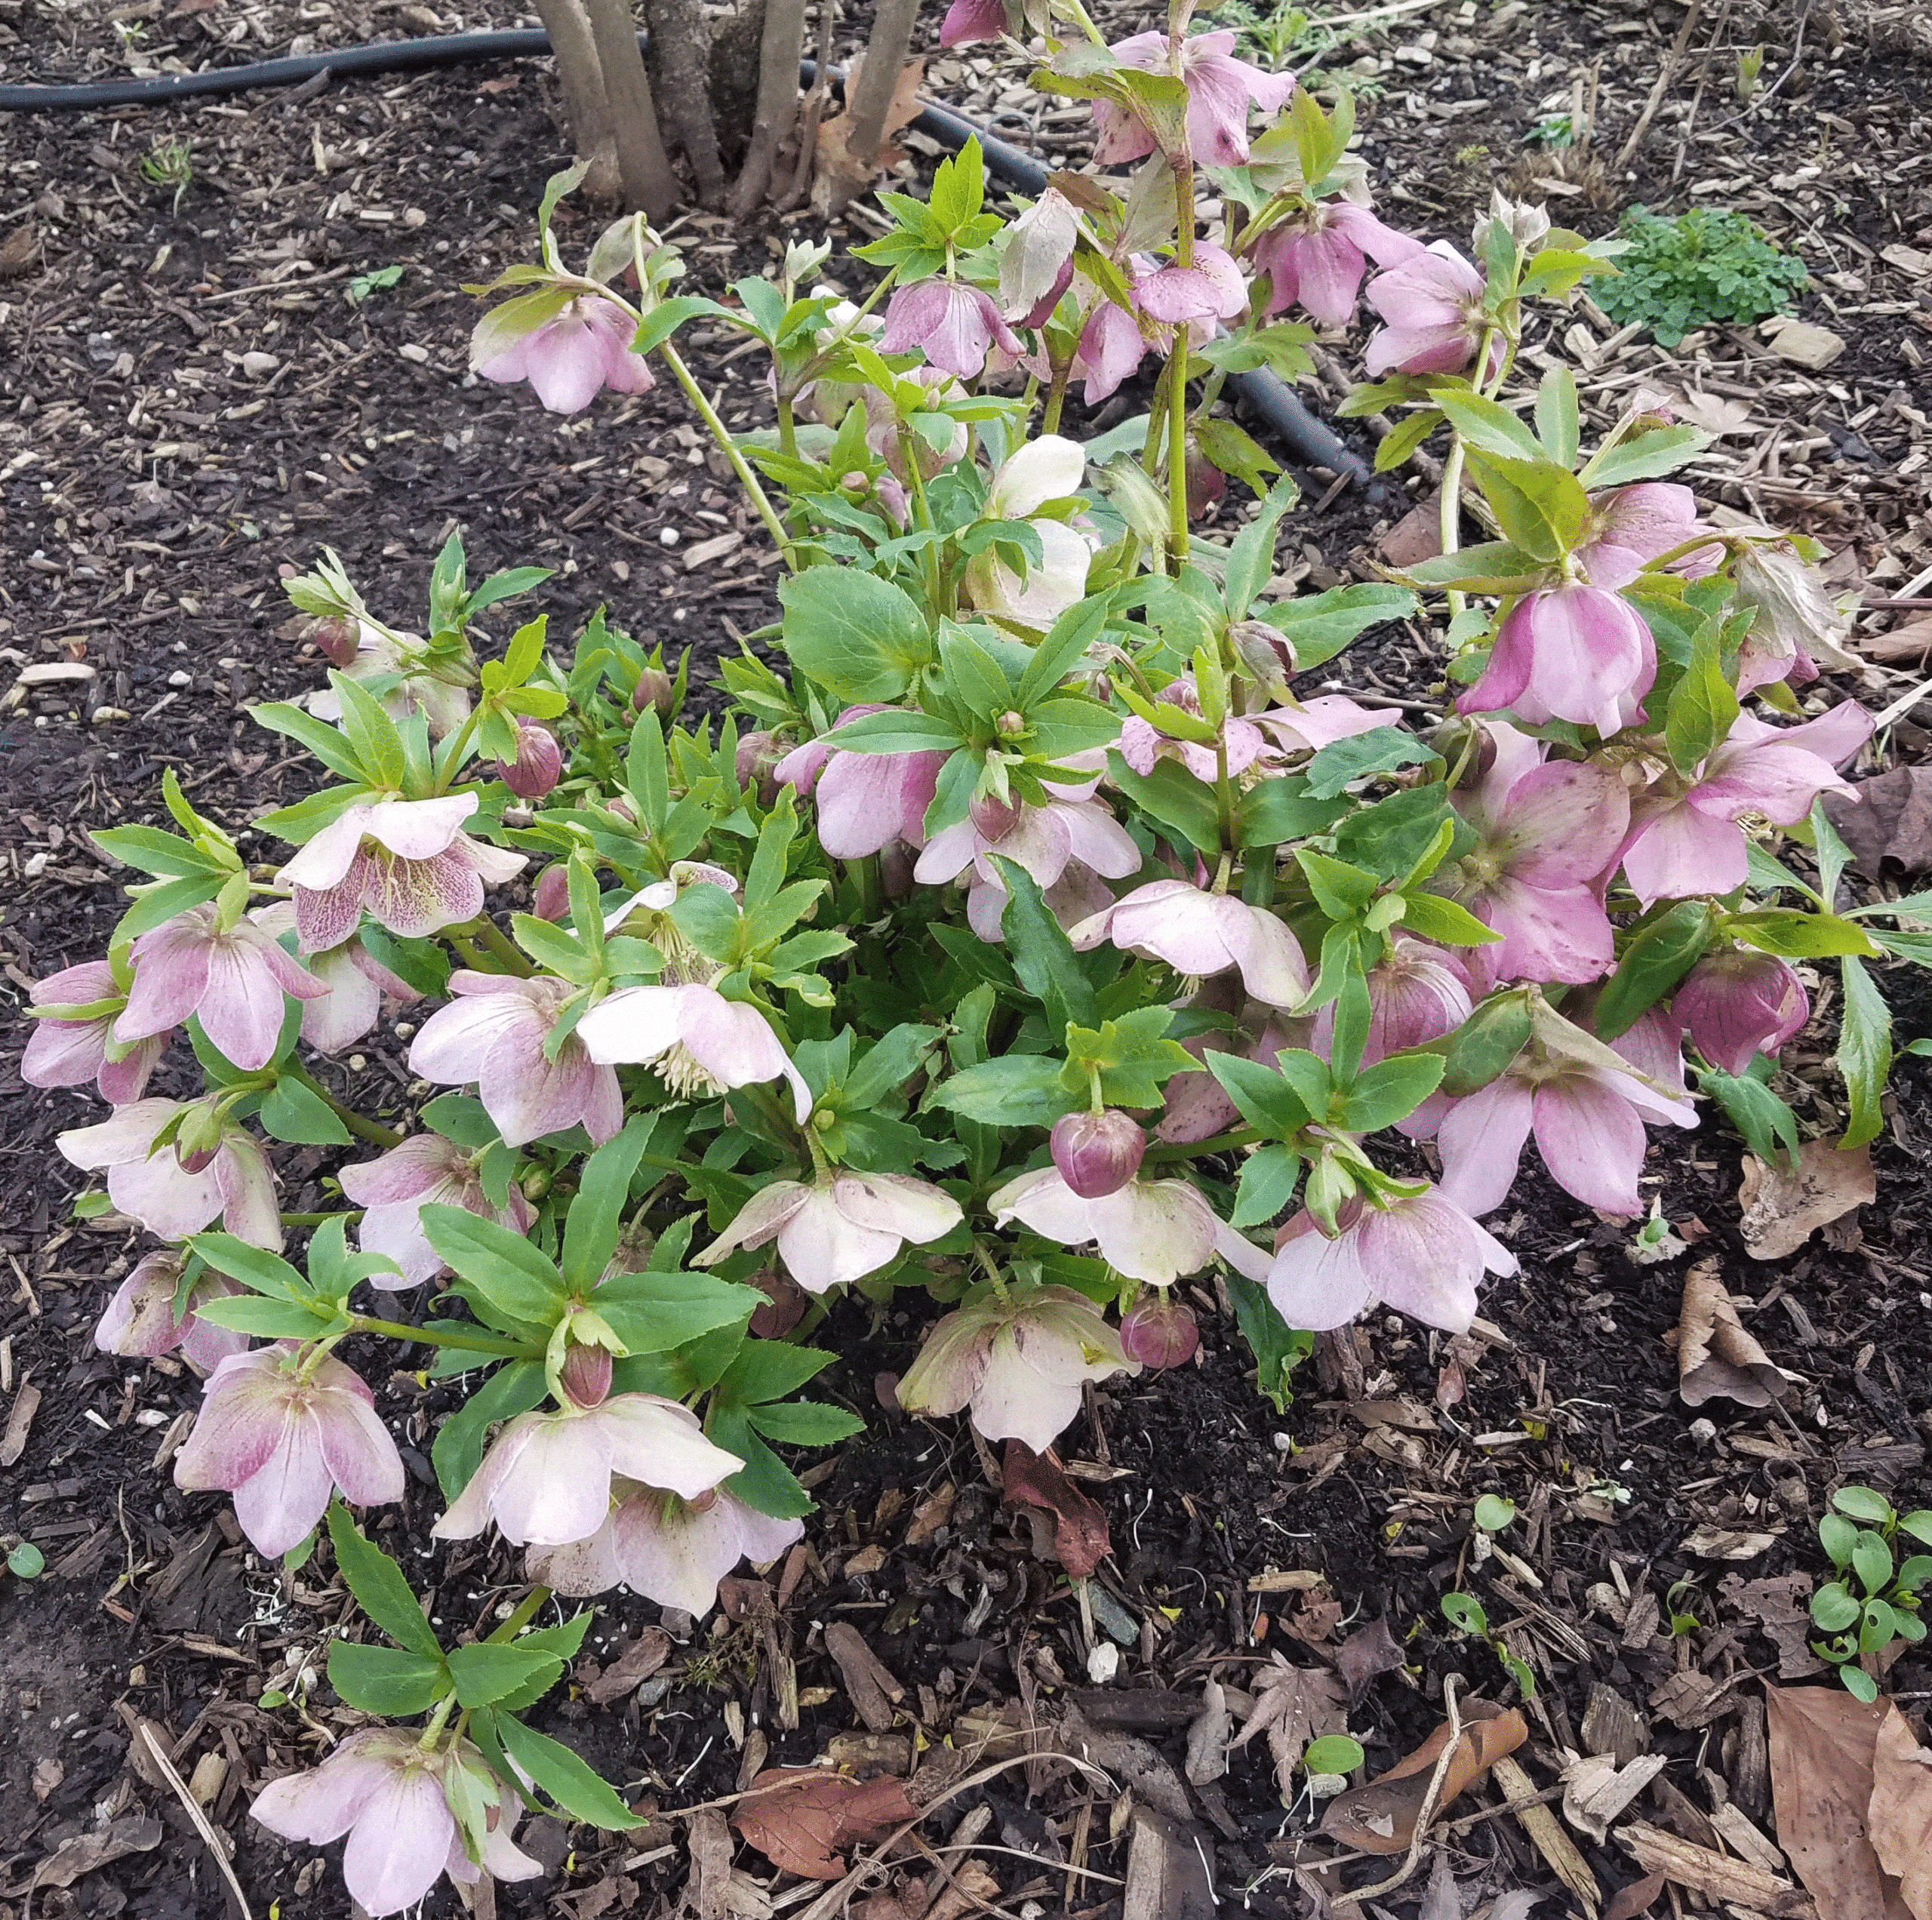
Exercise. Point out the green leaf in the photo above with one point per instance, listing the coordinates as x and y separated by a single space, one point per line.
1267 1186
1064 644
1263 1097
502 1266
1872 1562
1491 426
1703 708
1484 1046
1319 626
1833 1608
1464 1613
266 1319
555 1771
1132 1056
889 1062
596 1214
484 1673
1342 890
1858 1683
1864 1052
1862 1503
1278 1348
1171 795
370 732
1333 1754
1017 1090
1799 936
514 1387
859 637
1556 421
1390 1090
156 905
1757 1113
321 739
1653 966
1408 433
1646 455
765 1481
1540 507
1275 812
387 1681
667 316
255 1266
1837 1536
299 1116
805 1422
654 1312
1493 1512
1495 567
1043 957
1380 750
898 730
1435 917
379 1585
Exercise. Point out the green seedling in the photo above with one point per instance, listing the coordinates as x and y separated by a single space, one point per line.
1875 1600
1464 1612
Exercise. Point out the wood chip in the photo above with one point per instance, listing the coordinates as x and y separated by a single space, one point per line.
869 1683
13 1443
1711 1874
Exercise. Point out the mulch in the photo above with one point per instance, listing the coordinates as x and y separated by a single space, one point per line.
194 398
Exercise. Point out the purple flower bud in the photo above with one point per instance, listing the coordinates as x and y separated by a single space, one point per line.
195 1160
994 820
538 765
758 758
1161 1333
1097 1153
585 1376
336 640
553 893
1736 1005
653 688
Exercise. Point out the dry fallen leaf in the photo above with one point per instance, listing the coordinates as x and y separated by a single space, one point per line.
1380 1817
1911 641
1887 817
1782 1210
1779 1603
19 251
839 174
1712 413
1627 1902
1368 1651
1293 1704
800 1818
1716 1358
639 1660
1038 1481
1207 1735
1822 1743
1900 1816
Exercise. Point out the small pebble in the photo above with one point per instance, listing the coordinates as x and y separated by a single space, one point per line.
667 536
1103 1663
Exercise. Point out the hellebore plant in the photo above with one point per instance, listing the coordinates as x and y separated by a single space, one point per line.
1031 934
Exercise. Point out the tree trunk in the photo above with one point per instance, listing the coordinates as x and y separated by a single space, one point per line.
781 48
649 182
680 63
872 93
585 107
736 44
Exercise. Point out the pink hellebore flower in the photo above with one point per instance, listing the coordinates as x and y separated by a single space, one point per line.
1151 1230
866 801
1546 833
408 861
570 359
1049 842
1321 261
1219 88
140 1321
1018 1363
1161 1333
968 21
953 323
1738 1005
378 652
1212 288
1632 526
1417 993
426 1169
171 1198
282 1435
387 1793
236 981
698 1042
1431 304
1097 1153
546 1479
1198 933
1588 1123
358 984
494 1033
1423 1254
669 1549
69 1053
1111 345
1196 1106
838 1229
1689 842
1576 652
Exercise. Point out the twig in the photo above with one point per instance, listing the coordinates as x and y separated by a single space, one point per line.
1797 54
1697 97
1672 60
1417 1839
202 1824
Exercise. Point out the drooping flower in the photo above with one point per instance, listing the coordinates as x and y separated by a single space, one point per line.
568 360
69 1053
669 1549
1685 837
839 1228
494 1033
393 1798
1152 1230
1318 260
1545 834
1588 1119
1423 1254
358 984
953 323
1632 526
1265 739
393 1188
1097 1153
1200 933
1211 288
1161 1333
1112 346
1049 468
1796 621
698 1042
235 980
139 1320
1037 260
408 861
1575 652
1431 304
178 1190
1219 88
546 1479
1417 993
282 1433
1737 1004
421 681
968 21
864 800
1019 1363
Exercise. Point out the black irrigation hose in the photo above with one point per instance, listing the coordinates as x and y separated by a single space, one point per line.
1310 440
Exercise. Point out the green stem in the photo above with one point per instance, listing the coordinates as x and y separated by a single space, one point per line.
434 1335
1220 1144
1177 455
1224 794
438 1721
498 943
449 755
788 428
1078 14
717 430
372 1130
528 1607
1056 397
1451 519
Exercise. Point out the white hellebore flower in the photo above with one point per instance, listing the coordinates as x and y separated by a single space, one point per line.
700 1042
1050 468
837 1229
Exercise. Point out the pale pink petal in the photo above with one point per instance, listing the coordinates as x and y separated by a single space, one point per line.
821 1247
660 1444
1316 1283
1592 1142
280 1503
400 1841
1480 1139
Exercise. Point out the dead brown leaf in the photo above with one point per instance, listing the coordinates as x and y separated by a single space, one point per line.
13 1444
1822 1743
838 173
87 1852
1380 1817
801 1818
932 1513
1888 817
1206 1757
1414 538
1038 1480
707 1891
1368 1651
641 1658
1911 641
1782 1210
1713 414
1716 1358
1779 1604
1293 1704
1899 1816
19 251
1627 1902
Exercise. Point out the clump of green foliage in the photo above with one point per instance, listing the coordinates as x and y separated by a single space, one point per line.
1675 275
1875 1598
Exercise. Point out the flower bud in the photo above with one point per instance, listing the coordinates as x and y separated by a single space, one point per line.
896 861
552 901
785 1302
585 1376
1266 657
654 688
1009 725
538 765
1161 1333
759 754
1097 1153
1206 482
994 820
197 1139
1737 1003
337 639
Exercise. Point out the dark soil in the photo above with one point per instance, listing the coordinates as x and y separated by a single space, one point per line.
153 487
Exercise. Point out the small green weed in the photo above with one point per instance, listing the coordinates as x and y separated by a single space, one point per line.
169 164
1675 275
1464 1612
1875 1600
378 280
